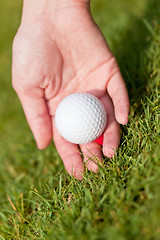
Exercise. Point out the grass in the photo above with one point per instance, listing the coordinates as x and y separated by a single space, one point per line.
38 200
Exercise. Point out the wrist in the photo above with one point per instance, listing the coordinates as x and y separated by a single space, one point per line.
32 8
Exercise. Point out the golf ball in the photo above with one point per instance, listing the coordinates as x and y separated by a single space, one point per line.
80 118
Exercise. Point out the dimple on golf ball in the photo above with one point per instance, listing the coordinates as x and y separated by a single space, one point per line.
80 118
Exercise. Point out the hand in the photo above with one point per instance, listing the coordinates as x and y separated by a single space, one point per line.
59 54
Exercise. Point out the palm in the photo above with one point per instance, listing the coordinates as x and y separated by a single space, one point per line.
71 57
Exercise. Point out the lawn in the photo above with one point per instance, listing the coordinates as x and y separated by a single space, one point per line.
38 200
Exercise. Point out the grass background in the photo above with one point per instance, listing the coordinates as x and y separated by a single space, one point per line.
38 200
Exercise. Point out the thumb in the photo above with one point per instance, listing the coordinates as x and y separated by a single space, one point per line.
38 118
119 95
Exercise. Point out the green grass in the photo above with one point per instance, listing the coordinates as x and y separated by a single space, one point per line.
38 200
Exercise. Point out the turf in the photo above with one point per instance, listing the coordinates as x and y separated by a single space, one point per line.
38 200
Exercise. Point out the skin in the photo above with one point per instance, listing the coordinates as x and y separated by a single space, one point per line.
59 50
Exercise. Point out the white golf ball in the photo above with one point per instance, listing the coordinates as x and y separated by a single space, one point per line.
80 118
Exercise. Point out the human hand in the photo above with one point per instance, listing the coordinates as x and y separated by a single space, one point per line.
58 53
